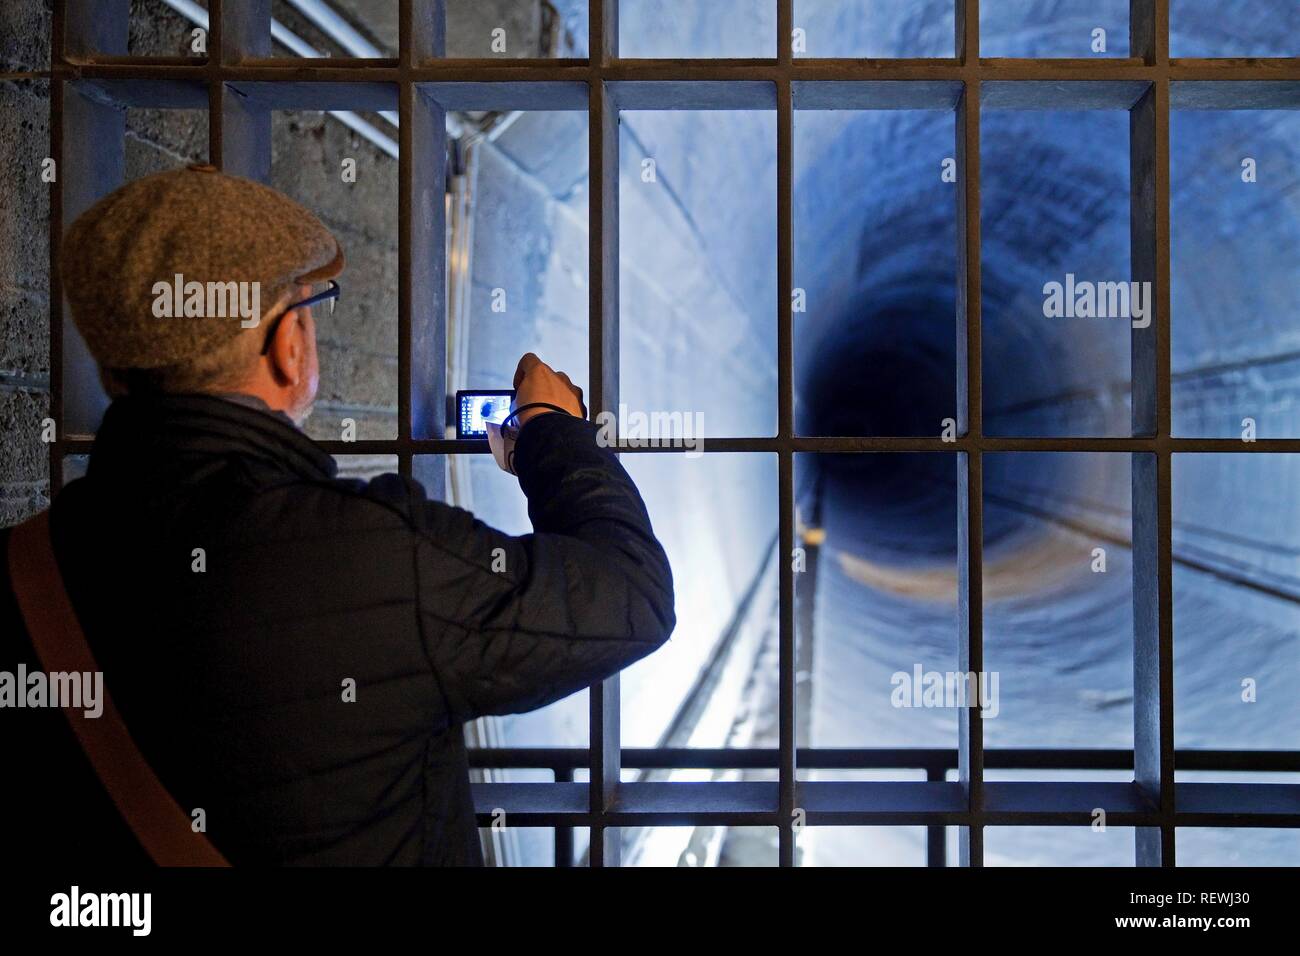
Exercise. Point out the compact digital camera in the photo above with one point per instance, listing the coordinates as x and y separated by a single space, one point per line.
475 408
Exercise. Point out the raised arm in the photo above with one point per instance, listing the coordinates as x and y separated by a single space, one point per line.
512 623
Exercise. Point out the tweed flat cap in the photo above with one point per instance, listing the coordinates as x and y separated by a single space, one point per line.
170 266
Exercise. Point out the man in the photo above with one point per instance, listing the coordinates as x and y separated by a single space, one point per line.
295 654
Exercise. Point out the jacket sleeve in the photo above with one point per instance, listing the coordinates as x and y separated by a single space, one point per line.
513 623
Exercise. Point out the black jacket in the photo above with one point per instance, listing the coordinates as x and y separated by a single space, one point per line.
232 679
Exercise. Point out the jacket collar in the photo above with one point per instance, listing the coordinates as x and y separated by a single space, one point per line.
154 432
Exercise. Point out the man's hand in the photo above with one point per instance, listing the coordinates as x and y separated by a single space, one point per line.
535 381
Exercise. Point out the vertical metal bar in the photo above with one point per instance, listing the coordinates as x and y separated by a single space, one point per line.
787 768
245 30
215 86
966 20
55 305
936 837
1153 739
422 248
603 359
1148 30
422 268
564 835
970 423
423 27
1145 477
1148 704
787 690
245 136
245 147
94 27
88 175
1144 130
969 351
970 646
603 32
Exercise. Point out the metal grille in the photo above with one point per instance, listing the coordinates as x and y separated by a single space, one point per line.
239 84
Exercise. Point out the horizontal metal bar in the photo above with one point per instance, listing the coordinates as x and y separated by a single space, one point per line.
1134 68
571 95
151 94
1025 799
336 69
877 803
288 95
693 94
1250 804
876 95
156 87
640 804
1061 95
1247 95
81 445
536 802
879 758
665 803
828 803
337 62
863 445
1229 67
1016 64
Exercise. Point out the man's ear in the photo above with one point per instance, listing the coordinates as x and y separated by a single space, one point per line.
288 349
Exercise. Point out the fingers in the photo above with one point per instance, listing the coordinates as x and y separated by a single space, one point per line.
526 365
535 381
564 377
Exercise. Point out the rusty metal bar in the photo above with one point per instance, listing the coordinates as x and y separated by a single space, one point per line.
603 359
786 637
1153 733
970 464
342 69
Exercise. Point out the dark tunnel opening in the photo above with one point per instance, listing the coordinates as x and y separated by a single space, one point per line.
883 369
886 366
877 355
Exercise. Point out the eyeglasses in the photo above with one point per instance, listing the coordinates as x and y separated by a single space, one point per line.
329 294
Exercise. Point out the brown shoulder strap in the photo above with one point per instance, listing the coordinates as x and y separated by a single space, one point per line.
157 820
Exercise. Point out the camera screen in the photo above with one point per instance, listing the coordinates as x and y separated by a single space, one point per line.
479 408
